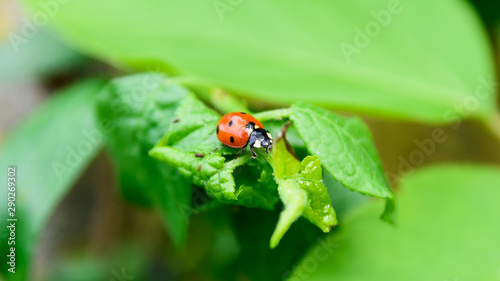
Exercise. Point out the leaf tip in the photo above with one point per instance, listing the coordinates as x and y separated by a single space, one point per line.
274 242
278 233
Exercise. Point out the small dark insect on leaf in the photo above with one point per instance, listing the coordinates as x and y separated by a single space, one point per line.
199 168
175 120
199 155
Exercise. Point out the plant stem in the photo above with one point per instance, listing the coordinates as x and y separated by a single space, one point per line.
225 102
494 125
274 114
218 97
192 81
201 88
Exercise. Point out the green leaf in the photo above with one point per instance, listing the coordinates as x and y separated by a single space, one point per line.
263 192
343 199
272 264
191 145
199 169
194 129
36 57
225 102
488 11
447 230
375 57
301 190
319 210
137 110
346 149
285 164
50 150
292 136
126 261
295 201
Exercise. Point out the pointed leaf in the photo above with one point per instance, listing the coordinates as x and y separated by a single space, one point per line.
346 150
301 190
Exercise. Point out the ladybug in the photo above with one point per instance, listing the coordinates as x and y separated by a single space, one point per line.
239 129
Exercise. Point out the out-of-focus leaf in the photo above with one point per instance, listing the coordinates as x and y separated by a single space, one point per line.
346 149
447 230
301 190
488 10
272 264
37 56
377 57
49 150
127 261
137 110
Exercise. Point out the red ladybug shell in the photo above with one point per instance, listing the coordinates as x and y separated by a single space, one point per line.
232 131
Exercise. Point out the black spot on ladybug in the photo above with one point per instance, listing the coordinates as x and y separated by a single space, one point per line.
242 112
175 120
230 123
199 155
231 139
217 129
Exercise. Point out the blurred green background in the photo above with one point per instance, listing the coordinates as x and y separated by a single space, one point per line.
422 74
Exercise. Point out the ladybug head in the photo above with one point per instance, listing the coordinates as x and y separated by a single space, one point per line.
261 138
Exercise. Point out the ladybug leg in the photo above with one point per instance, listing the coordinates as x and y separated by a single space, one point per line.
254 155
220 147
239 152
